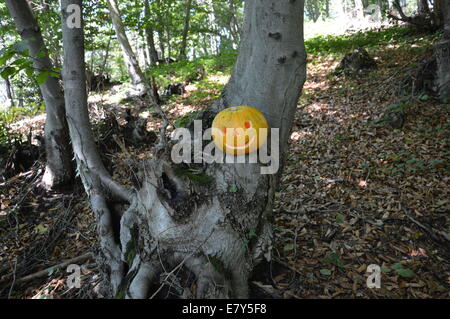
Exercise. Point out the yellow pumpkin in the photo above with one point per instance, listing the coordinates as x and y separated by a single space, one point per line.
236 130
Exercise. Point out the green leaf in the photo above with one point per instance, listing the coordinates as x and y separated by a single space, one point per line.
252 233
397 266
5 56
385 269
41 228
405 272
54 75
41 54
51 271
42 77
29 72
325 272
8 72
20 62
288 247
334 259
233 189
340 218
424 97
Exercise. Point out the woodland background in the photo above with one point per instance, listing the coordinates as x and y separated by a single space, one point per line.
367 172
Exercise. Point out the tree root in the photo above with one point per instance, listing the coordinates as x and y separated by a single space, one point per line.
155 241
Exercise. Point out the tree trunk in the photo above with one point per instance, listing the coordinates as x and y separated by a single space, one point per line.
327 8
422 7
96 180
105 58
9 92
8 86
398 6
442 54
219 235
161 42
169 47
170 221
316 11
233 24
187 19
152 53
136 75
359 8
58 171
438 14
445 5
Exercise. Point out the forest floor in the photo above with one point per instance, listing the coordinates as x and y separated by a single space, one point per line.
354 192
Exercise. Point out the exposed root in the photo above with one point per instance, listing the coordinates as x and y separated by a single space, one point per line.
210 283
141 283
211 238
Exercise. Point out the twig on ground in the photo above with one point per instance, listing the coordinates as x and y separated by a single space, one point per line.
45 272
436 235
301 212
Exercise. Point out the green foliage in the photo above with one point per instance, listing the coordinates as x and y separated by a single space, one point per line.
341 44
399 270
14 58
17 66
181 71
6 136
334 259
194 175
340 218
12 114
233 189
325 272
183 121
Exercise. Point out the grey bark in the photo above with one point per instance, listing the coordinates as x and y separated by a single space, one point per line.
9 92
8 87
233 23
169 47
445 6
149 34
200 226
187 18
438 14
136 75
396 4
96 180
161 41
170 221
442 54
422 7
105 58
58 171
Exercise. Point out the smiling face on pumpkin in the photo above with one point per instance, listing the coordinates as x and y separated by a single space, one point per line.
236 130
